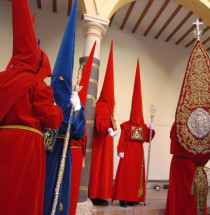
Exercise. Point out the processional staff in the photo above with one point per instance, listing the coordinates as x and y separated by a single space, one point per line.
152 111
76 88
197 32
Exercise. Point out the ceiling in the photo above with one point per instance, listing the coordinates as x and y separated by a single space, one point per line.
162 20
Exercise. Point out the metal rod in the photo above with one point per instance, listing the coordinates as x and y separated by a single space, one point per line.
65 147
152 111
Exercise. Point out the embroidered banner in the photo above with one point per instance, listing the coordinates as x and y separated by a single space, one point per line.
192 114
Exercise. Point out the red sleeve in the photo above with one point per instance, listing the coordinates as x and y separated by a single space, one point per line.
50 115
120 147
147 133
102 121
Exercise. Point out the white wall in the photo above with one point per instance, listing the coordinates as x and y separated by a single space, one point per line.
162 68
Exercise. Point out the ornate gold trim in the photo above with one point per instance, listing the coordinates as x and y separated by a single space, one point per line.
136 133
194 94
61 207
200 189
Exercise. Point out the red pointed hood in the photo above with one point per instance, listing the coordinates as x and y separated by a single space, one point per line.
28 65
86 76
136 114
107 92
25 48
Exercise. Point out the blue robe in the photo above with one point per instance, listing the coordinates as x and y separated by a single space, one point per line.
62 96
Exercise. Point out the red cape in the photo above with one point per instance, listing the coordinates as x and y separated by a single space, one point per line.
16 80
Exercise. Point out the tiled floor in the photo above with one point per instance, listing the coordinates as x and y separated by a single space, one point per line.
155 206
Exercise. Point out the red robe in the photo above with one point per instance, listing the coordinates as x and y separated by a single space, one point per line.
180 200
130 176
22 152
101 168
77 152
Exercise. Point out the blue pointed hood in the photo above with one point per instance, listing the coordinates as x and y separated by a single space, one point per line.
64 64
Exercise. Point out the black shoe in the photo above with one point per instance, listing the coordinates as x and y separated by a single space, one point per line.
131 203
123 204
100 202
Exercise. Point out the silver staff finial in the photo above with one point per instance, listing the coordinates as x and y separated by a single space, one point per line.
152 110
197 32
77 87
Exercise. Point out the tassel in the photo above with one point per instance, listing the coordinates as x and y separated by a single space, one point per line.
140 193
200 189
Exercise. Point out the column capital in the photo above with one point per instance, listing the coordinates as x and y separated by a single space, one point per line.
95 26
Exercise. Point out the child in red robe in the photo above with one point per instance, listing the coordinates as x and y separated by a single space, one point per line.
129 186
78 148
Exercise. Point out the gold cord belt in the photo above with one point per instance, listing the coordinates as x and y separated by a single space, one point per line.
76 147
22 127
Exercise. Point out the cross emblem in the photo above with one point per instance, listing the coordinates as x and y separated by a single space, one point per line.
197 32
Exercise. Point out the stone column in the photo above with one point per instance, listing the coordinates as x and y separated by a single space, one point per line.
94 30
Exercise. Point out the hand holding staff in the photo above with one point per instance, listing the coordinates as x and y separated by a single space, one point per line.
76 88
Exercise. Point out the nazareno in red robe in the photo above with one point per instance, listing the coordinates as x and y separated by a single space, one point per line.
101 168
129 182
78 149
182 170
22 152
26 109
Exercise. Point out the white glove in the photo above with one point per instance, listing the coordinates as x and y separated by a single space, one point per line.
111 132
121 154
151 126
75 101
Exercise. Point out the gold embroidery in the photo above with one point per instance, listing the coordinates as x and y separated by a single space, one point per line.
195 94
141 191
136 133
61 207
50 136
200 189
